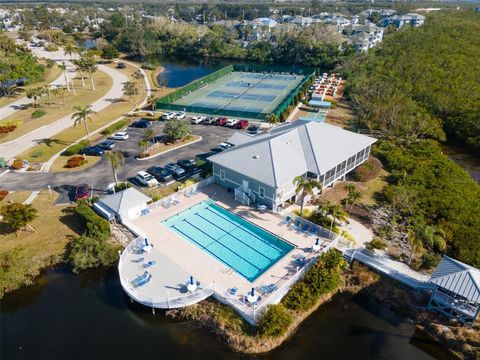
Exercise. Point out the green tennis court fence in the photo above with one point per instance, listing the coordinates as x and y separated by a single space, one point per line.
291 96
213 111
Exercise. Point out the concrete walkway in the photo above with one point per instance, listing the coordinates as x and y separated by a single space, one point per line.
11 149
59 57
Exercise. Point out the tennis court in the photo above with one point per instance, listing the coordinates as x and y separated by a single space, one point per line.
258 93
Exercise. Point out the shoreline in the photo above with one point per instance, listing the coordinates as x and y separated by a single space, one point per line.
154 74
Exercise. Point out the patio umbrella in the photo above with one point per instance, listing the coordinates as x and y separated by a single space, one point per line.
253 291
317 241
191 280
146 242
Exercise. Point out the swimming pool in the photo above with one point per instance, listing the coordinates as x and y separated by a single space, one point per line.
236 242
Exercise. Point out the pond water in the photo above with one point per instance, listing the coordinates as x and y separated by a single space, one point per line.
88 316
181 72
469 162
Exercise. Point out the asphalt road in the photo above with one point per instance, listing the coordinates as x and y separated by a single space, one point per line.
100 175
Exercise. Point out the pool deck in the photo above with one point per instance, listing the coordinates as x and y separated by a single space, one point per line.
177 258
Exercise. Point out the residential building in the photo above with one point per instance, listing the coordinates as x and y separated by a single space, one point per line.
411 19
261 168
365 36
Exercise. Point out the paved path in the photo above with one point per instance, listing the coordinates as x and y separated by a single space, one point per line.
11 149
58 56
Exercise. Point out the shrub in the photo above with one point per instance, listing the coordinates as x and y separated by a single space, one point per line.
96 226
368 170
377 244
89 252
38 113
15 270
176 129
430 260
75 148
122 186
4 129
115 127
75 161
3 194
275 321
17 164
148 66
51 47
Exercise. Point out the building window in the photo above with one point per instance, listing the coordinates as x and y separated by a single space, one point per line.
222 174
261 192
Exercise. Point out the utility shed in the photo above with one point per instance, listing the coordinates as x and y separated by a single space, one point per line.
124 205
457 290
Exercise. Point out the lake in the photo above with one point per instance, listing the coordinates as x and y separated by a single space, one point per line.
88 316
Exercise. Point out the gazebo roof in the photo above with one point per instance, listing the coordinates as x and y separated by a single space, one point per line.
459 278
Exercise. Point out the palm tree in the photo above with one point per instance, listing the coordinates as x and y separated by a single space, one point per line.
63 67
59 91
116 159
415 241
162 82
83 114
91 67
426 234
137 75
305 187
34 94
69 48
272 119
152 101
81 67
335 211
130 89
46 90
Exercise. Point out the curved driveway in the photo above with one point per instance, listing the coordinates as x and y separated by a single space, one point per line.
12 148
100 175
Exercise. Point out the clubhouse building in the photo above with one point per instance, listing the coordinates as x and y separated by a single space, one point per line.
260 169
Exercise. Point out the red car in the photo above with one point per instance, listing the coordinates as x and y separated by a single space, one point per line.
221 121
242 124
81 192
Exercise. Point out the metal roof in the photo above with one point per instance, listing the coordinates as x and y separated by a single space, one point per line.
276 157
124 200
320 103
457 277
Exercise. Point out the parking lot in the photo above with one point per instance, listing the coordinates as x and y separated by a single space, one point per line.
99 176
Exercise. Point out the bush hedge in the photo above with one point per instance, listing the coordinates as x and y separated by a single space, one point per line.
38 113
17 164
3 194
275 321
75 161
321 278
115 127
96 226
75 148
369 170
6 129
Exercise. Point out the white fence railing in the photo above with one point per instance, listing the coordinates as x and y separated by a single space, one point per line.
185 191
456 304
165 302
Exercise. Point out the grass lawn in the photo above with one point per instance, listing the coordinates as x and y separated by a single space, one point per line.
53 229
47 149
50 76
19 196
162 191
160 147
59 164
60 108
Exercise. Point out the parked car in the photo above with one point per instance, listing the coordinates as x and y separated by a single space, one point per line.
253 129
121 65
231 122
188 165
222 147
141 124
167 116
161 174
176 170
121 135
197 119
209 120
81 192
146 179
180 115
242 124
92 151
221 121
106 145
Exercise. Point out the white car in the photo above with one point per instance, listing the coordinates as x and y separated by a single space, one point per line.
180 115
121 135
146 179
231 122
168 116
197 119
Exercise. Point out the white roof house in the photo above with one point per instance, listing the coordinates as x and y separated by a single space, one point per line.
124 205
272 160
457 291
